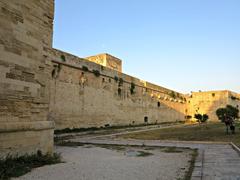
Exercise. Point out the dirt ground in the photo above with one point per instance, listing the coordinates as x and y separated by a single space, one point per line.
89 162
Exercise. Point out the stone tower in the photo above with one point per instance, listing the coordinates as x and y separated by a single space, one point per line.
107 60
26 28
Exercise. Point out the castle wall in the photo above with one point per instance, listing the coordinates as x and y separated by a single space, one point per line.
208 102
25 31
40 85
234 99
80 99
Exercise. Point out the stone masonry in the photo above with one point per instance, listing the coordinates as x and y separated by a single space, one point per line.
25 31
42 88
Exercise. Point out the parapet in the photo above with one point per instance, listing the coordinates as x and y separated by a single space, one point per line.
107 60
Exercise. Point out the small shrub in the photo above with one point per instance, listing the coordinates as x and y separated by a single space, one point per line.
18 166
116 78
84 68
120 82
201 118
204 118
132 88
96 73
63 58
172 94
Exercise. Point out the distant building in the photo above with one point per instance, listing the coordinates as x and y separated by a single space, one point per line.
208 102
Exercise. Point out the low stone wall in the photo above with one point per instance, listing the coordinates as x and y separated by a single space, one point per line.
26 142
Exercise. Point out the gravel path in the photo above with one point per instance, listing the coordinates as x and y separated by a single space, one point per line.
216 161
95 163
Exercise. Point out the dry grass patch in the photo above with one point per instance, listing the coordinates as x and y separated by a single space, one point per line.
205 132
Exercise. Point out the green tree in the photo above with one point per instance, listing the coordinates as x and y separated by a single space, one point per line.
221 113
204 118
201 118
228 111
172 94
227 115
132 88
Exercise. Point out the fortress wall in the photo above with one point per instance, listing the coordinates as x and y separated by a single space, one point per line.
234 99
208 102
26 29
104 100
40 85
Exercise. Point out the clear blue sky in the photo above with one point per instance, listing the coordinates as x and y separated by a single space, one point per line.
185 45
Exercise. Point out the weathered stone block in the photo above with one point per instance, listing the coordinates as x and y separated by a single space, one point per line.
26 28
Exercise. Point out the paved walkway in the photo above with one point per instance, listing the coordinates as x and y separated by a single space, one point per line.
216 161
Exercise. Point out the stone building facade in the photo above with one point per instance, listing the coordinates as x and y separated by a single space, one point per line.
208 102
25 32
42 88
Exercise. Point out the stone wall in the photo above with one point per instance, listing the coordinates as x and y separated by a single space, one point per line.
234 99
40 85
208 102
81 98
26 30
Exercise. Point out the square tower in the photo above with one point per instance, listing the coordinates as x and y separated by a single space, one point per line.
107 60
